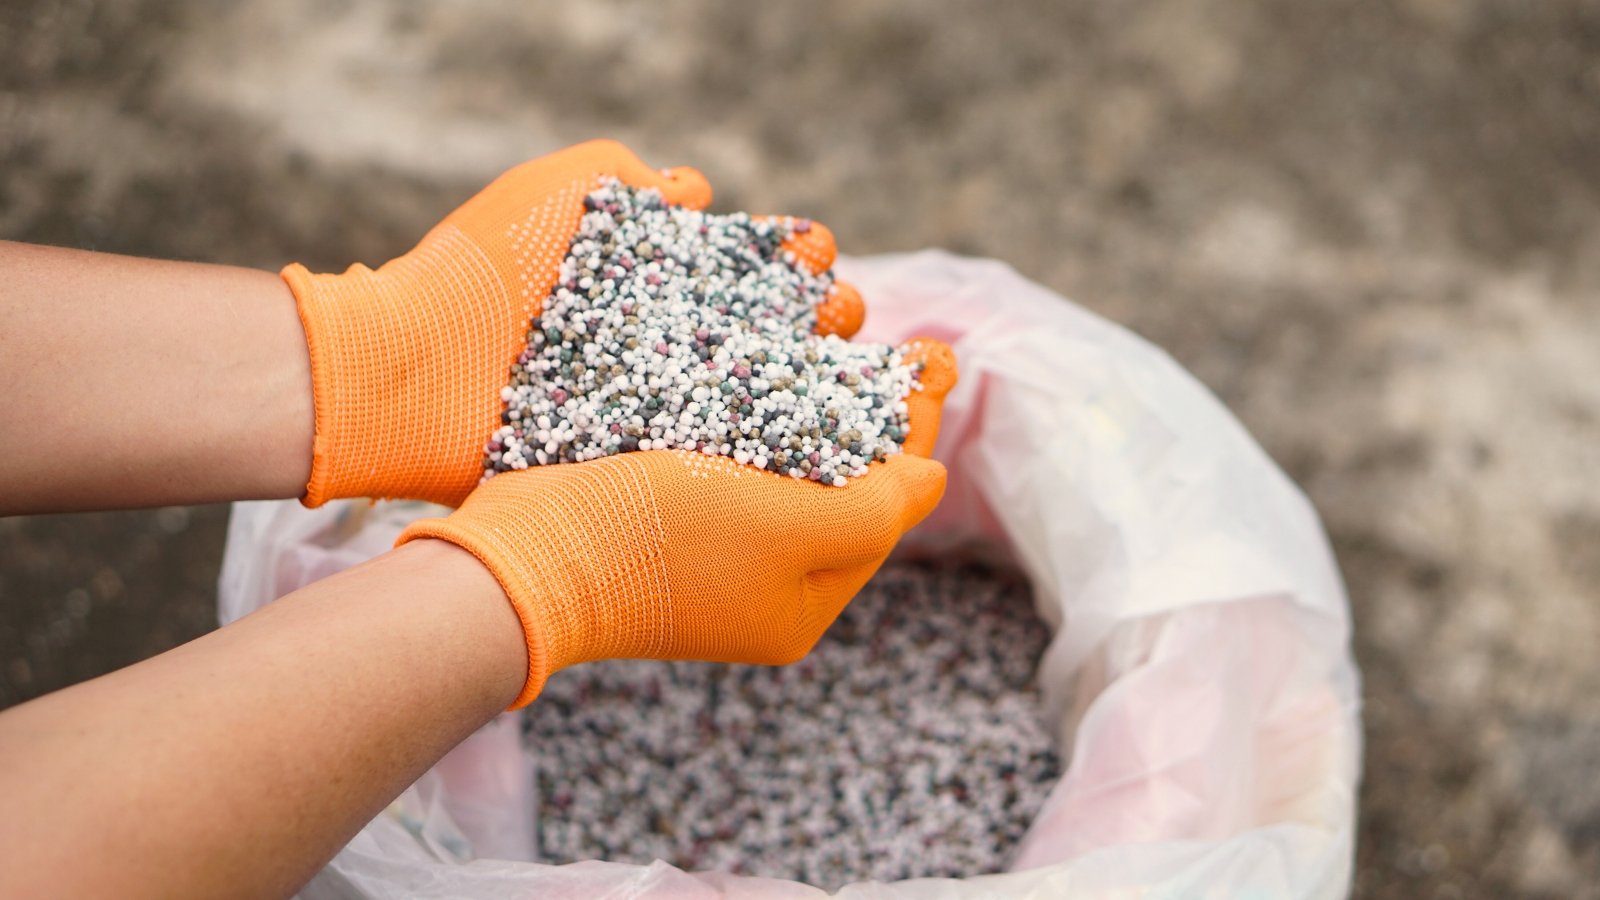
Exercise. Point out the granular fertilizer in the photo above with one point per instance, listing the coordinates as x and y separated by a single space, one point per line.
672 328
909 743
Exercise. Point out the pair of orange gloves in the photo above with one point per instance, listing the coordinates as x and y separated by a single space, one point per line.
661 554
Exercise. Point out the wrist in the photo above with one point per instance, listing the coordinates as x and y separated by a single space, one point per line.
472 594
515 587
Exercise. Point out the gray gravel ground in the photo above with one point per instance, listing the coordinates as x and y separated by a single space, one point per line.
1370 227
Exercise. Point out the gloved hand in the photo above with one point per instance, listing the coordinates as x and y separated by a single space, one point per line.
407 361
671 554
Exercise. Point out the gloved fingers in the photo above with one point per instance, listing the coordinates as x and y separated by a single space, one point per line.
870 513
679 186
825 593
812 242
926 404
918 485
814 246
841 583
843 312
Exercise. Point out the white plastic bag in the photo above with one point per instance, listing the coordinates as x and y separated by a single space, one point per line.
1200 673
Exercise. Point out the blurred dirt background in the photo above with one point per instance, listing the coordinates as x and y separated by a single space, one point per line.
1373 229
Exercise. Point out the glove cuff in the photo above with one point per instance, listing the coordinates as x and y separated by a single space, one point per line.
522 587
406 370
585 557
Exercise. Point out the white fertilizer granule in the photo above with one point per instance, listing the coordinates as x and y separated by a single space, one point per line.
909 743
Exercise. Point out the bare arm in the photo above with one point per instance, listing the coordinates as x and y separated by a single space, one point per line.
131 382
238 764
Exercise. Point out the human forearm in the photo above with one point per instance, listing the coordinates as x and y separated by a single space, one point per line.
134 382
239 763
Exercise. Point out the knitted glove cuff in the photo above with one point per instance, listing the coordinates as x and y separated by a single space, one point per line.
407 364
522 585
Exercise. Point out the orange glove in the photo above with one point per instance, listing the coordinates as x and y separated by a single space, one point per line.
671 554
407 362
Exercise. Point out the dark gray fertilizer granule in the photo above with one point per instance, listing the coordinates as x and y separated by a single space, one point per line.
909 743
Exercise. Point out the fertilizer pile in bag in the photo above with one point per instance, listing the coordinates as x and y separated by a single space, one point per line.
909 743
1202 665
